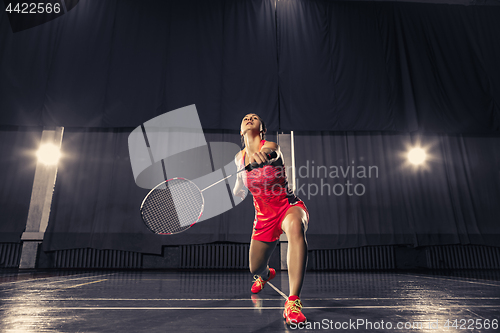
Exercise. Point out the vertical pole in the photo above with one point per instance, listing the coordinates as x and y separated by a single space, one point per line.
285 142
292 156
41 200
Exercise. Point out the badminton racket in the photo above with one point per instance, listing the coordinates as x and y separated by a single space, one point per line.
175 205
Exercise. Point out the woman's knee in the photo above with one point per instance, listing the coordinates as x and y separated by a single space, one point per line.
295 222
295 230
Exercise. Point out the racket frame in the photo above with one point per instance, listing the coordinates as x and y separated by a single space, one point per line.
185 228
248 167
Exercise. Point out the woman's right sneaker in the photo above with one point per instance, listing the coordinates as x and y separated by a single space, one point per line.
259 283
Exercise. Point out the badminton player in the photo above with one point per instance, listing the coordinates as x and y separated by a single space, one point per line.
277 210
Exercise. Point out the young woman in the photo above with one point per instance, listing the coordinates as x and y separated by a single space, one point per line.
277 210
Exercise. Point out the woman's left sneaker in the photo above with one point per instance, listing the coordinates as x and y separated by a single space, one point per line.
293 311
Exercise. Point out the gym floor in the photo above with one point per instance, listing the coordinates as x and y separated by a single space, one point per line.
221 301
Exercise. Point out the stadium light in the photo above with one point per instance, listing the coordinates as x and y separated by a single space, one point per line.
417 156
48 154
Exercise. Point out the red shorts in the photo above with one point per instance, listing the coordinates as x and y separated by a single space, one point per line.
267 227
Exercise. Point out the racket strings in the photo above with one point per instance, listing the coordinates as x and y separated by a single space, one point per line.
173 207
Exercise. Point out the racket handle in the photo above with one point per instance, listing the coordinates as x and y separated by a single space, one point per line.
254 165
272 155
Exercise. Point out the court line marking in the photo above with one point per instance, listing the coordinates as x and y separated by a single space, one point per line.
61 280
79 285
52 282
243 299
475 314
254 308
442 278
278 291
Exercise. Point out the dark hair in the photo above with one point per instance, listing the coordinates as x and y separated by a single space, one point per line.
262 135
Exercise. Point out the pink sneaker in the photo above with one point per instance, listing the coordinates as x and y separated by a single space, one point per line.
259 284
293 311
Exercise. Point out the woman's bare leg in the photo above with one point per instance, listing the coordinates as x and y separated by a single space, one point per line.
294 226
259 255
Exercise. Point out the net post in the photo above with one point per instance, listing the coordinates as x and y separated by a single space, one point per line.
286 144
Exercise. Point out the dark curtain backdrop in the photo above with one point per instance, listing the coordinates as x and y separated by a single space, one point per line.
388 66
453 199
18 146
120 63
332 65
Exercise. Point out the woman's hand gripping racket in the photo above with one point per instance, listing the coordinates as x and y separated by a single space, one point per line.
175 205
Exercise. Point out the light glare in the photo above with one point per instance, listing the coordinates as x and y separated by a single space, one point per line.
48 154
417 156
